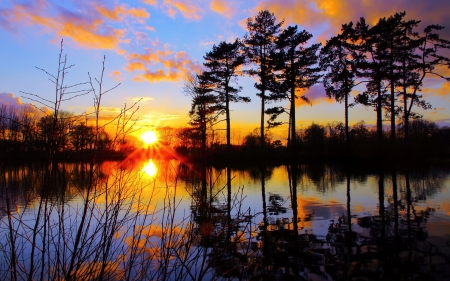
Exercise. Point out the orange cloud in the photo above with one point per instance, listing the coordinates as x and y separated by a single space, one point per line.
151 2
446 208
443 69
88 29
436 110
445 89
188 9
315 94
8 100
332 14
116 12
437 90
169 66
116 75
222 7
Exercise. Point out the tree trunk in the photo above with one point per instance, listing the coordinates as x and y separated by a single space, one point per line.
379 115
292 116
347 135
392 108
262 139
227 113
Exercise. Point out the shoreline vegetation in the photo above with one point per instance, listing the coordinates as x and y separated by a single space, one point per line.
24 136
423 150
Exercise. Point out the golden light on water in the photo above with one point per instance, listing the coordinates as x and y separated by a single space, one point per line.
149 137
150 168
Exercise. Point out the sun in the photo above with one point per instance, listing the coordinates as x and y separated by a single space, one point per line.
149 137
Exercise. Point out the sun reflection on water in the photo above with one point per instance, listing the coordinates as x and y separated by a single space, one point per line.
150 168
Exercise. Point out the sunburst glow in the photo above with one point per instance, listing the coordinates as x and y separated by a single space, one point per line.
149 137
150 168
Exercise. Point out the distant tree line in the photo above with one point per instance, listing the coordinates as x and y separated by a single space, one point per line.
24 130
316 141
391 59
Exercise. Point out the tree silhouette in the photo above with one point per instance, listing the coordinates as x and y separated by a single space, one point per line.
393 32
419 61
259 43
296 68
222 64
338 59
204 107
373 67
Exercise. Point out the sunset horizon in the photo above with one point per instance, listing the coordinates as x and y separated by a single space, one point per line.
150 46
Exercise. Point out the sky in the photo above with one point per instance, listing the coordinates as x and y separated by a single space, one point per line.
150 46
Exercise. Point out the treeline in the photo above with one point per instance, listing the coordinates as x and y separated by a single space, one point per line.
391 59
317 142
26 133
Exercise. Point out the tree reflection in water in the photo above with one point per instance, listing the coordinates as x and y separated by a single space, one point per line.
394 247
147 234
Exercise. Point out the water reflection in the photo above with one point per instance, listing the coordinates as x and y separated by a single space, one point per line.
150 168
355 245
192 222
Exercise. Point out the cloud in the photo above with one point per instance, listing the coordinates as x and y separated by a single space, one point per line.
445 89
206 43
10 101
141 99
436 110
187 8
222 7
88 25
329 15
443 122
160 116
440 89
116 12
161 65
443 69
315 94
116 75
151 2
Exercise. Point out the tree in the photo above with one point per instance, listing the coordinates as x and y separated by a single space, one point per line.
55 136
314 138
222 64
259 43
296 68
253 140
82 137
338 59
416 64
373 67
397 43
204 105
394 33
398 60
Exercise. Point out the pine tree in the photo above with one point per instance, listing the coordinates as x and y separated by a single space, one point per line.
418 62
259 43
296 69
204 106
372 67
338 58
222 65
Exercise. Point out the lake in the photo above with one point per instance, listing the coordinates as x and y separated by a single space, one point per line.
164 220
